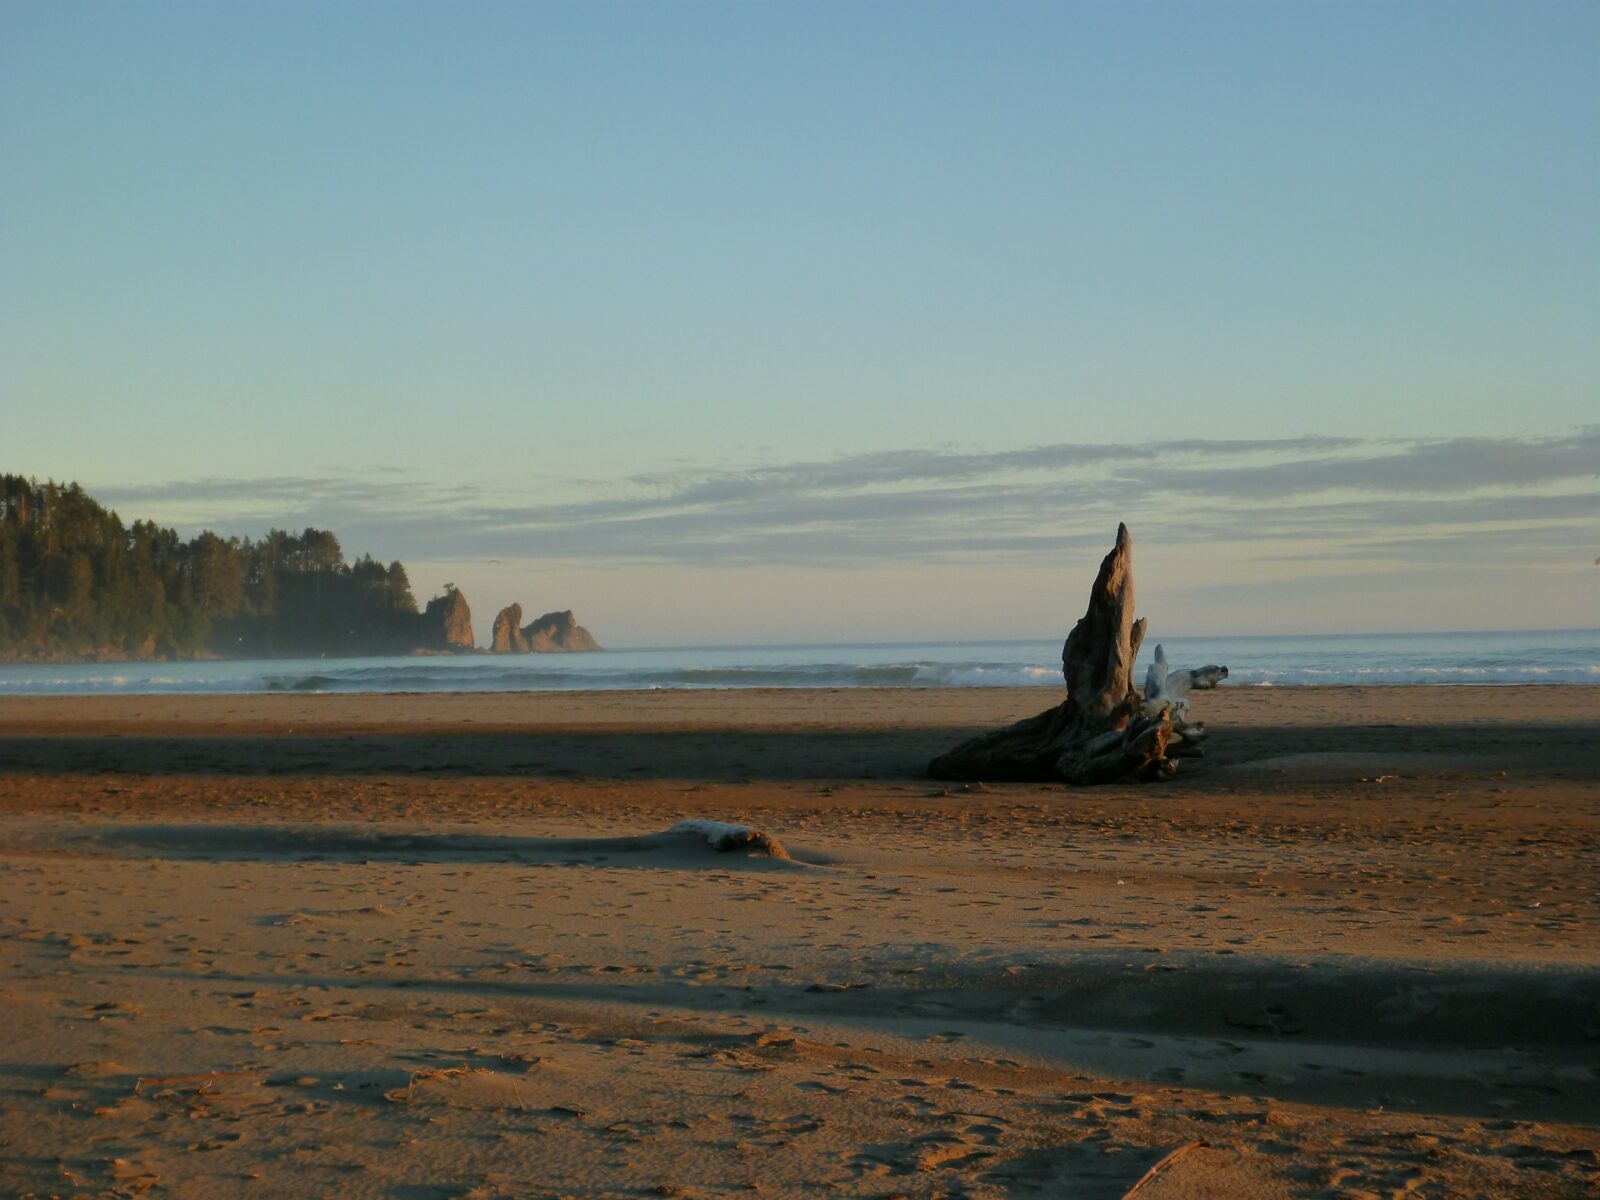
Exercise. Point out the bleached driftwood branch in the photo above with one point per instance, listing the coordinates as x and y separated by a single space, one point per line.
1163 685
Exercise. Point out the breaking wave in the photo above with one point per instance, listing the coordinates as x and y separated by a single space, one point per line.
518 678
1568 657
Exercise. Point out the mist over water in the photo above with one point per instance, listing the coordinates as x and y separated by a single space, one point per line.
1569 656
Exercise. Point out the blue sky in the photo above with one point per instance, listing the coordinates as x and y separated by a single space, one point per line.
829 321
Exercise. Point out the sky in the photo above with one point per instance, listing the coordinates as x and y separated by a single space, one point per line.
786 322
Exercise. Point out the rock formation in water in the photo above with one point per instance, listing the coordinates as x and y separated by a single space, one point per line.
447 622
553 633
558 632
507 637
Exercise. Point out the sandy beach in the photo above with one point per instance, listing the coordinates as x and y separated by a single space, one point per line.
442 946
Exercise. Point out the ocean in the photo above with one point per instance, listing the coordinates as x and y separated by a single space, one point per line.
1564 656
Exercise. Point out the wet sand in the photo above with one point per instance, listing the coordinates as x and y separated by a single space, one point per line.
424 945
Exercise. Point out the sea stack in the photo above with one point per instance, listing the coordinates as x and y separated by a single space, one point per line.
553 633
447 622
507 636
558 632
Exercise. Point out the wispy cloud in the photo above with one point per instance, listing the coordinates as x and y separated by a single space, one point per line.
290 493
1455 465
1329 497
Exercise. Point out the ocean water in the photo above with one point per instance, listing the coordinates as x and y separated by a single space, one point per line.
1566 656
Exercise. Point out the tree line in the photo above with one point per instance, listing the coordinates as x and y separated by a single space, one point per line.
76 582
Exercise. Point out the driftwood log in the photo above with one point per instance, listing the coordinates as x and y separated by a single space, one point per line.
1105 730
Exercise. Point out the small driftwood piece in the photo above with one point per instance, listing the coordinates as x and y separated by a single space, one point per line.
723 837
1163 685
1104 731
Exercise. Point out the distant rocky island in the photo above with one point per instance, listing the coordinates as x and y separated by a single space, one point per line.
447 625
76 584
553 633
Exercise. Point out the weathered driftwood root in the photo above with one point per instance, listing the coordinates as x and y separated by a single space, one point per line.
1104 730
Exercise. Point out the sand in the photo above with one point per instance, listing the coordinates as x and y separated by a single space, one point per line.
414 946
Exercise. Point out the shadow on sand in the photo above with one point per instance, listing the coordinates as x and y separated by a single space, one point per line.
668 850
740 756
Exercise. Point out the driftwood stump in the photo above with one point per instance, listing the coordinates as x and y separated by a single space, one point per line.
1104 731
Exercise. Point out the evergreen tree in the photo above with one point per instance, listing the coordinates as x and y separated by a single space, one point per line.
75 582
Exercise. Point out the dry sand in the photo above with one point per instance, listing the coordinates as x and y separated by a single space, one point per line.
414 946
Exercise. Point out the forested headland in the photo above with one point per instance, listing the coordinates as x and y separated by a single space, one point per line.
76 583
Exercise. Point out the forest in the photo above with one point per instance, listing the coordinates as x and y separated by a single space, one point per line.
76 583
